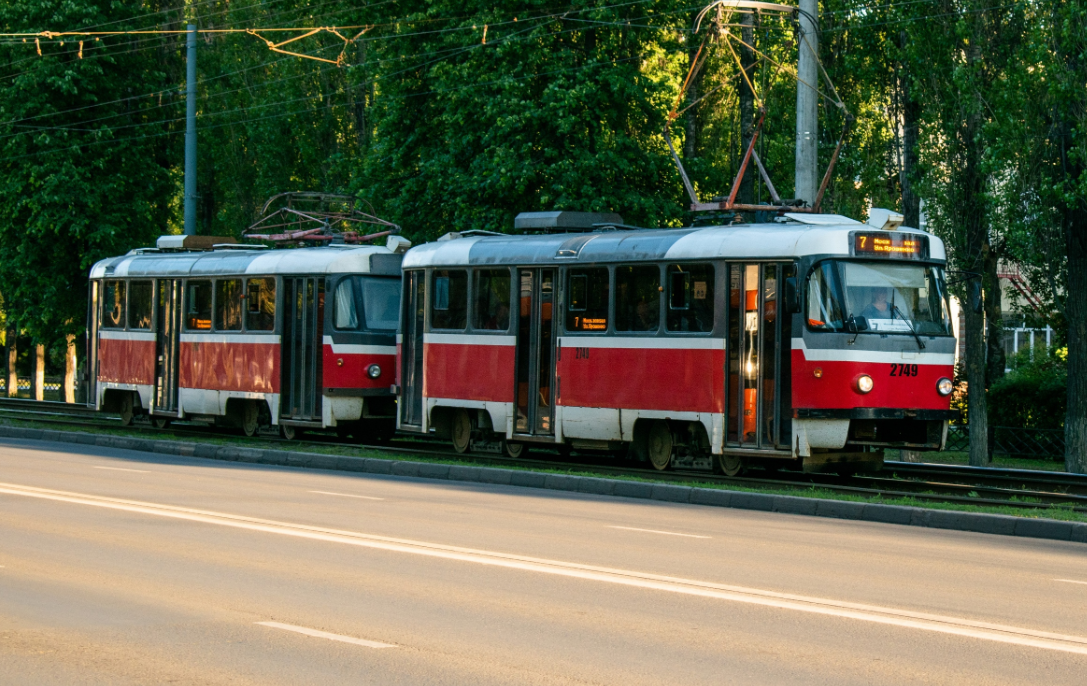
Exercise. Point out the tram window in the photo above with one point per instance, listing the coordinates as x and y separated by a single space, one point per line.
450 298
140 297
381 303
690 297
587 300
198 306
824 309
637 298
228 305
260 313
492 300
346 313
113 305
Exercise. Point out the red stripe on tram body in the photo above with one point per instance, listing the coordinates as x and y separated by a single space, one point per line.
469 372
248 367
126 361
895 385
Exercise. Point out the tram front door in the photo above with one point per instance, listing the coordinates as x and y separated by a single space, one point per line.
534 391
303 328
167 330
759 344
411 349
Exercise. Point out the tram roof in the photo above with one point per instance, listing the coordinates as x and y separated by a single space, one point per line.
814 235
330 259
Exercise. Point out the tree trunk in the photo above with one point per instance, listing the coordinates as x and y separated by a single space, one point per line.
996 359
747 107
911 116
1075 312
38 380
13 360
69 370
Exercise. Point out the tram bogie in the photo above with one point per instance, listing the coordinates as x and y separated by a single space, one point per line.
815 342
251 339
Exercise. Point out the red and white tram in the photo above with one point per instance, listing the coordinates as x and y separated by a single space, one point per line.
815 340
242 336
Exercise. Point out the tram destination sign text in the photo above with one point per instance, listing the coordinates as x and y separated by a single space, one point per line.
890 244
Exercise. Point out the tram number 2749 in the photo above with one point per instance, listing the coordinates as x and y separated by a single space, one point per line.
903 369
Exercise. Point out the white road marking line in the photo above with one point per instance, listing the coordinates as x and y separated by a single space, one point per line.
1072 581
325 634
945 624
122 469
655 531
348 495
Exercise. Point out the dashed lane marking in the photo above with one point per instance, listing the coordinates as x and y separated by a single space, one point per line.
348 495
655 531
324 634
890 616
1072 581
123 469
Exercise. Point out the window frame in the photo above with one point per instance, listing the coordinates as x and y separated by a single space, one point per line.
614 302
356 296
215 305
124 305
712 291
472 302
431 305
246 278
564 300
185 312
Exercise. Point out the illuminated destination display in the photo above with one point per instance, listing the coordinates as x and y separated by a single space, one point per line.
901 246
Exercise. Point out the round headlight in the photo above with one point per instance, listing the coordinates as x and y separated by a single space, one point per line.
864 383
944 386
373 371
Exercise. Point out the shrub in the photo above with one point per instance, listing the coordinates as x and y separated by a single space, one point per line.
1034 394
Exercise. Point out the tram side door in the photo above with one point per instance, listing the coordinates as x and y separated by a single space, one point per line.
411 349
759 342
534 393
167 336
303 329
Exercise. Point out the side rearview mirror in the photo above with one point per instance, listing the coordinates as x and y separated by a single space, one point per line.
792 295
856 324
976 301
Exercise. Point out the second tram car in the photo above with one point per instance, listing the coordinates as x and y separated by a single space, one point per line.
248 337
815 340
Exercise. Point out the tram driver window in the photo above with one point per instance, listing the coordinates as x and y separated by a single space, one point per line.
690 298
140 298
198 306
588 291
492 300
346 313
637 298
260 313
449 309
113 305
228 305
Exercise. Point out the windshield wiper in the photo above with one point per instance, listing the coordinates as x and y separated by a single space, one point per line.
894 311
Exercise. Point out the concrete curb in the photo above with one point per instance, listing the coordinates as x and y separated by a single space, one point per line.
1003 525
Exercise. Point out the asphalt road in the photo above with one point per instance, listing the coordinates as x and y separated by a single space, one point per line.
125 568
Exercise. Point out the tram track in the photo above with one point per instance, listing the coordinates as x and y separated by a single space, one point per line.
1016 488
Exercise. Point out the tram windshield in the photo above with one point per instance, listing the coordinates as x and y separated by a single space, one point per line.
879 297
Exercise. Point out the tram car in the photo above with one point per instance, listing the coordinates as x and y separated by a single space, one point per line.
815 341
247 337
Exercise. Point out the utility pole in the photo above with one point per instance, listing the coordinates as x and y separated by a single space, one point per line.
190 133
807 103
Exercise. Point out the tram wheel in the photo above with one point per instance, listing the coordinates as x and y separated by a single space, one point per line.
250 419
161 422
461 431
658 445
127 411
289 432
730 465
513 449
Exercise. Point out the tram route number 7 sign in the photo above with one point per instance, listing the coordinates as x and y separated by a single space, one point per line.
890 244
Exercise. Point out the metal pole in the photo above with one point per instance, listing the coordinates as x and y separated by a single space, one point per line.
190 133
807 103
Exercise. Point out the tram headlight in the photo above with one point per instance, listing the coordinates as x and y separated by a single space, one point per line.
864 384
373 371
944 386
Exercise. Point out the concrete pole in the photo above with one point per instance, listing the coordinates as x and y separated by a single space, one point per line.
807 104
190 133
38 382
13 358
69 370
